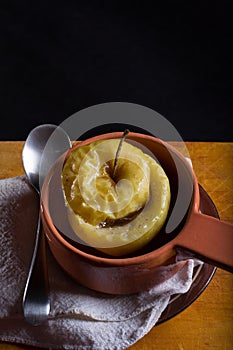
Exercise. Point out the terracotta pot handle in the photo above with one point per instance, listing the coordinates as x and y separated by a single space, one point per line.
209 239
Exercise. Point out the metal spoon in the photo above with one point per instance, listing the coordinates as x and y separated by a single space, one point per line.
43 146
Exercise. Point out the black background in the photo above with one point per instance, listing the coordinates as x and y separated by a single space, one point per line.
173 56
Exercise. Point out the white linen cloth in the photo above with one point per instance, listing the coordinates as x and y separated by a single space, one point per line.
79 318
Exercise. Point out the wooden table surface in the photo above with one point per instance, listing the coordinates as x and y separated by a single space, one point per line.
208 322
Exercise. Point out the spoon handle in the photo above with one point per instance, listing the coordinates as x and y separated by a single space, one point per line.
36 303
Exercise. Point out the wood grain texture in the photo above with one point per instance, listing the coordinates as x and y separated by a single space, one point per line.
208 322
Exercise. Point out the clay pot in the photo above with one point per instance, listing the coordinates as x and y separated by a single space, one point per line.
199 235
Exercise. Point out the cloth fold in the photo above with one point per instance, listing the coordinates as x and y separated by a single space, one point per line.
80 318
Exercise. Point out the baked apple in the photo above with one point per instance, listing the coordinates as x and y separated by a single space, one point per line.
119 208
